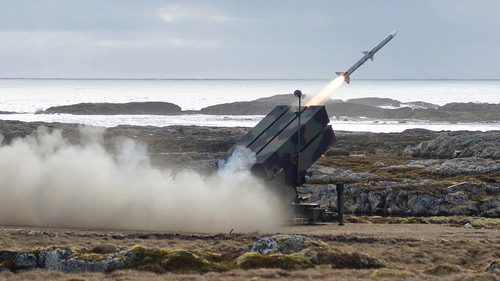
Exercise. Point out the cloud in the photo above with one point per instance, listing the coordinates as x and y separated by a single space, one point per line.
178 13
160 43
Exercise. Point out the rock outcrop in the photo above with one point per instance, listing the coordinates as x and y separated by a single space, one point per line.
458 144
282 244
399 199
281 251
64 260
373 108
132 108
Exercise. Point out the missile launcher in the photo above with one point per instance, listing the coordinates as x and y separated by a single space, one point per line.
284 153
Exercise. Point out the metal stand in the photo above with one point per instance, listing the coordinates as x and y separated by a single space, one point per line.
340 202
298 94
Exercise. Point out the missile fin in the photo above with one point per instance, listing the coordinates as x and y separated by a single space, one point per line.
372 57
365 53
339 73
347 79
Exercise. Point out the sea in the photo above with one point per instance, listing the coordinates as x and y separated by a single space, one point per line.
26 97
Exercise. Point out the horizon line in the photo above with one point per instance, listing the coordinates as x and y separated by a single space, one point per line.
256 79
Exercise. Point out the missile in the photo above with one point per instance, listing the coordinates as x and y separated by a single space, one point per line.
367 55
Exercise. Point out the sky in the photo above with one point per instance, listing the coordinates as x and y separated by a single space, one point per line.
258 39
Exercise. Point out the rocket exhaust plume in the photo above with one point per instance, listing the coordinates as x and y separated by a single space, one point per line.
46 181
324 95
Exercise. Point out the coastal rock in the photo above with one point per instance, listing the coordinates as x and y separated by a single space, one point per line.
458 144
471 107
133 108
353 108
260 106
375 102
281 244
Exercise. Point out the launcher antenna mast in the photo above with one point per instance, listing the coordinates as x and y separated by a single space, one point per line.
298 94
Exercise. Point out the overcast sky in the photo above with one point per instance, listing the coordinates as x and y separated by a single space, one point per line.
437 39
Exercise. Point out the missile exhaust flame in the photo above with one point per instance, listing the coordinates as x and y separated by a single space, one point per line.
324 95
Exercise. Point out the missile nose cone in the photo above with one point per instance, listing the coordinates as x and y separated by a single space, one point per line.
394 33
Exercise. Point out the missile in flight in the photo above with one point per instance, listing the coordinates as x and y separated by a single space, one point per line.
367 55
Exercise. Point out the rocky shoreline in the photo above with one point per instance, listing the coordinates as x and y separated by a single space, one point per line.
373 108
413 173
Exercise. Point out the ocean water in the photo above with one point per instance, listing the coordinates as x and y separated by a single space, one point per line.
26 96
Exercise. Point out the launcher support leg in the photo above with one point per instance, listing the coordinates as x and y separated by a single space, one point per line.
340 202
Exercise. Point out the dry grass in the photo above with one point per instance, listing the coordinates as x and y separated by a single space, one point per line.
420 251
257 274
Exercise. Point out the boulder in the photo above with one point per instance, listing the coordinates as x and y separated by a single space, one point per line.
24 261
281 244
50 260
78 265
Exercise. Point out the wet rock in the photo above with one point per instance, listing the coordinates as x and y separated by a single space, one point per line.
471 107
281 244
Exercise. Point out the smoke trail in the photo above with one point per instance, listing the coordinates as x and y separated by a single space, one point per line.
326 92
46 181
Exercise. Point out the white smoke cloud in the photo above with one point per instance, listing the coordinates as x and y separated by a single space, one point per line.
46 181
